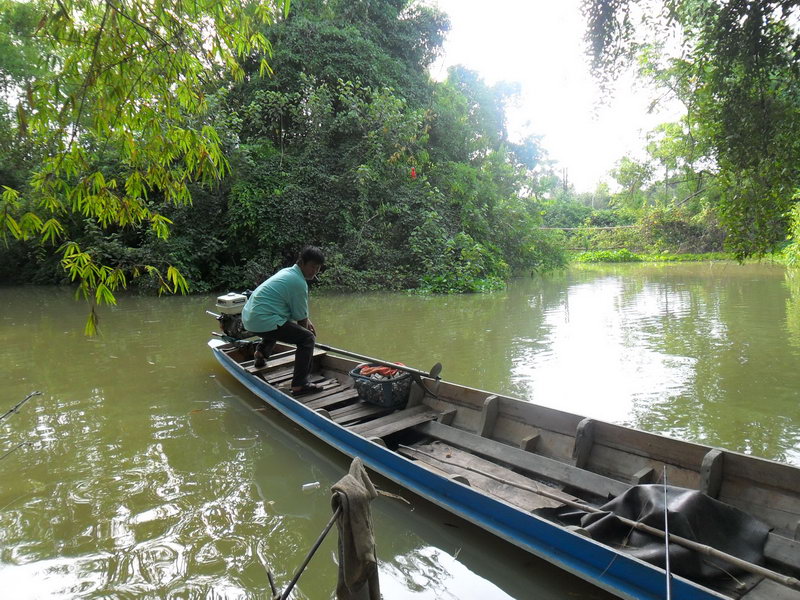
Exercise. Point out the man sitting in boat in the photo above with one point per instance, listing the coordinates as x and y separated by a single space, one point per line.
278 312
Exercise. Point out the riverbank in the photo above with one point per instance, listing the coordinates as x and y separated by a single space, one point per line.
625 255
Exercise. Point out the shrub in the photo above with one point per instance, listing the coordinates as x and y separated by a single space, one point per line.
465 266
610 256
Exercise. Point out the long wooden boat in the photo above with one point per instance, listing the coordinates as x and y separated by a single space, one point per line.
512 468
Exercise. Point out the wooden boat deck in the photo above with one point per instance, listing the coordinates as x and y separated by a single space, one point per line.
535 458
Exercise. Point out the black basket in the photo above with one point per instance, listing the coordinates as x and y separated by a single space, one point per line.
389 393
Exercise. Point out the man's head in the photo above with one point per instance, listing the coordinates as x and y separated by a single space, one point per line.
310 261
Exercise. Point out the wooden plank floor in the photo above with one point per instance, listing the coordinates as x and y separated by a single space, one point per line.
338 398
276 377
328 387
358 412
485 475
769 590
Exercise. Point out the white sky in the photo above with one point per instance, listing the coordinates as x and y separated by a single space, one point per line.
539 43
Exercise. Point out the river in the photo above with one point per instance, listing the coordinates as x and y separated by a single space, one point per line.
145 471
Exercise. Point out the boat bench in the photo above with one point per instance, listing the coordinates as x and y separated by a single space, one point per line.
536 464
396 421
278 360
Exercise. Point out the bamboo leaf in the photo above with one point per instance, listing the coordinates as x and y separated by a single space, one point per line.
51 230
127 79
177 280
90 329
29 224
103 295
12 226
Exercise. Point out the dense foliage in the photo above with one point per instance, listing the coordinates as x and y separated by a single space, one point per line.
105 133
653 211
154 138
737 71
341 141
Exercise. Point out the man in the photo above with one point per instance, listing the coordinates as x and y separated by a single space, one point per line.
278 312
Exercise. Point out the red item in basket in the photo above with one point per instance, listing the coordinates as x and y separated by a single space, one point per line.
368 370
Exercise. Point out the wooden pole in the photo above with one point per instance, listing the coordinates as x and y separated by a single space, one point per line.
311 553
666 539
17 406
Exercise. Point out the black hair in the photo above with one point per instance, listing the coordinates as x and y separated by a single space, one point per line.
311 254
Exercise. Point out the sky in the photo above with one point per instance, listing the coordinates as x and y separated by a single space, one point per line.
539 44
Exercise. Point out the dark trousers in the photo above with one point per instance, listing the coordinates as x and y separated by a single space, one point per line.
291 333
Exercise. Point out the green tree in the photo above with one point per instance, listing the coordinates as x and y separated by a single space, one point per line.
121 82
20 65
738 77
330 142
347 144
633 177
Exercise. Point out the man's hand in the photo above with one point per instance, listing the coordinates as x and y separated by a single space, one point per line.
308 325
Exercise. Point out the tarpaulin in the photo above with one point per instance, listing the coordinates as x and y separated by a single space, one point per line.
692 515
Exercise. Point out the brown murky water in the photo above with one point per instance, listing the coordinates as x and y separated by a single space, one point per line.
147 472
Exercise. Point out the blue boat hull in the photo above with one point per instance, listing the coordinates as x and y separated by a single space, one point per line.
601 565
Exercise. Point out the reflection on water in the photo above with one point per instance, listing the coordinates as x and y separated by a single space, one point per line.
431 573
603 332
705 352
152 474
793 307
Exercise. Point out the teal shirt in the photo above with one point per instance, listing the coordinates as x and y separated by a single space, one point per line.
281 298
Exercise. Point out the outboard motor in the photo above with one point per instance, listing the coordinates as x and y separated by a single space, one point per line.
230 314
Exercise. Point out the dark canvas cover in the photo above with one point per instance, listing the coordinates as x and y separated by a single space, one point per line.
692 515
